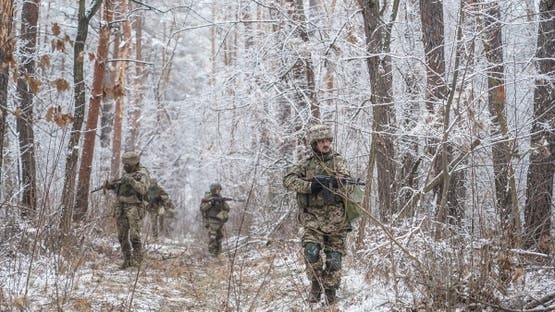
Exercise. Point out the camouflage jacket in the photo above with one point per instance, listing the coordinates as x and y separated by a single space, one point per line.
156 195
313 210
214 207
134 186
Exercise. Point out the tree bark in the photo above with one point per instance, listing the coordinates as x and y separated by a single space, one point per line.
433 38
539 190
119 88
6 57
138 82
87 153
505 186
384 118
68 193
302 73
25 93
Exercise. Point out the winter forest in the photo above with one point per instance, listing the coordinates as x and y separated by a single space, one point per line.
445 109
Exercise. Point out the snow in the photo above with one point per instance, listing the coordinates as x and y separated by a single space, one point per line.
254 274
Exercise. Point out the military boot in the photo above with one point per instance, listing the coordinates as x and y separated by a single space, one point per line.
315 292
330 296
137 254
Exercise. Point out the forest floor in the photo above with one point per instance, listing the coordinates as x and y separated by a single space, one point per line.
176 275
260 275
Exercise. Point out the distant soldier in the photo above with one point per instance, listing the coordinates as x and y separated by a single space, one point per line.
129 208
215 212
169 219
158 202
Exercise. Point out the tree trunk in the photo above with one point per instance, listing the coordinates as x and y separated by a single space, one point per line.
505 186
539 191
138 94
25 93
302 73
384 119
433 38
6 50
448 193
68 193
82 197
119 88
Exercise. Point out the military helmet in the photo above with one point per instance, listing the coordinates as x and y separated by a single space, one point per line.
130 158
319 132
214 187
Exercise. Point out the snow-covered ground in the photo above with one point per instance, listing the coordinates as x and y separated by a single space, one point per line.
268 275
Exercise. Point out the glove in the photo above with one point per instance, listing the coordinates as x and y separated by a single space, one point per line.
126 178
334 182
315 187
326 181
107 185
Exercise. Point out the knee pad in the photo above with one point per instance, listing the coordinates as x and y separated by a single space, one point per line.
333 261
312 252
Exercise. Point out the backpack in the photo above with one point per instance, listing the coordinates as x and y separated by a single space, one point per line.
353 202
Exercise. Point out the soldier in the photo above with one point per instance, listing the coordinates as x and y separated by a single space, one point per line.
215 212
169 219
129 208
158 202
321 213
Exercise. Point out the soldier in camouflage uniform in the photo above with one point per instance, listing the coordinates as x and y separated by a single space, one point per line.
158 200
129 208
215 212
322 217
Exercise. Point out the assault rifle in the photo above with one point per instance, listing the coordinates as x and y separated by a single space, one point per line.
215 200
332 182
112 185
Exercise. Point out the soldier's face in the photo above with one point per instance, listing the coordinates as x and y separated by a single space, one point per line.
128 168
323 146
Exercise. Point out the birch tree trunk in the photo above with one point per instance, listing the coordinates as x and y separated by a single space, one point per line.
91 127
539 190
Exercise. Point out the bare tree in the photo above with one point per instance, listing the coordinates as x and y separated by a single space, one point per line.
138 84
539 190
6 51
91 127
68 193
378 45
436 95
26 88
302 73
505 186
119 88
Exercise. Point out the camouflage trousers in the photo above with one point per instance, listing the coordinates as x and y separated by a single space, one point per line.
215 236
128 221
156 222
330 246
